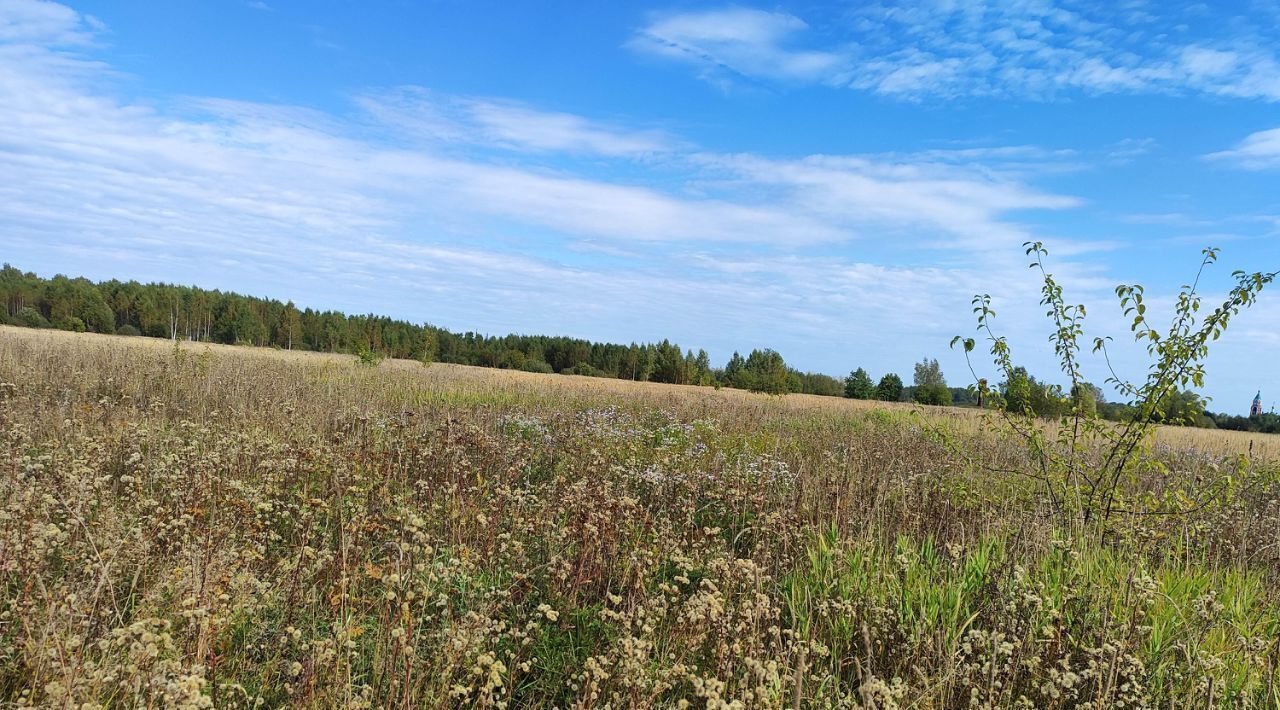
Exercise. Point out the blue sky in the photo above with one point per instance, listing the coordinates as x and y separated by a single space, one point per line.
831 180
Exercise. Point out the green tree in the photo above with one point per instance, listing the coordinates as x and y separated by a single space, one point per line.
290 324
735 371
766 371
1024 394
1048 401
702 369
817 383
1182 407
71 323
858 385
1085 397
930 385
890 388
1017 392
669 364
18 289
430 349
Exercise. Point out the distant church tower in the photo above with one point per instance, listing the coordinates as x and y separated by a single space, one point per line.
1256 409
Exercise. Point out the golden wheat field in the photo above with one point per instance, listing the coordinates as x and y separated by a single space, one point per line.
213 526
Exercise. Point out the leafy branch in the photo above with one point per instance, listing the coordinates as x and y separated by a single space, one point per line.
1082 467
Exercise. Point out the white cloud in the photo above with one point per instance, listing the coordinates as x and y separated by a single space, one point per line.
1200 62
1040 49
521 126
37 21
1258 151
958 206
739 41
430 116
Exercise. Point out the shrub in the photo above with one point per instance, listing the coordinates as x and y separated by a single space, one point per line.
31 318
128 330
1081 468
369 358
70 323
538 366
935 394
585 369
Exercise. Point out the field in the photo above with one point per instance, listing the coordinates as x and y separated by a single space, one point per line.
204 526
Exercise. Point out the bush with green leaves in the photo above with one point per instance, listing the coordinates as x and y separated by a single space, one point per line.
369 358
1081 464
70 323
937 395
31 318
538 366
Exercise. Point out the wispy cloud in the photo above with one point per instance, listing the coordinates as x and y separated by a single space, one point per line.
1040 49
419 112
1169 219
323 38
519 125
1258 151
737 41
959 205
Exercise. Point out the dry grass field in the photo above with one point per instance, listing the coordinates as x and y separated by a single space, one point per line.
210 526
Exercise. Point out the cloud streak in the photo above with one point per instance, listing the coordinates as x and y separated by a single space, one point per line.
1039 49
1258 151
439 119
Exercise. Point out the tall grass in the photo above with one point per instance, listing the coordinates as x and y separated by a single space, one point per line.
196 527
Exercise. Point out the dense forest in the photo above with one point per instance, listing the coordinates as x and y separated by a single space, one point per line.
186 312
169 311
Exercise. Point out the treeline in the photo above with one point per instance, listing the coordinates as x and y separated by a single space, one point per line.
1265 423
929 387
1024 394
170 311
161 310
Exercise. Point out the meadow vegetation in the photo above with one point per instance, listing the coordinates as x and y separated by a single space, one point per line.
196 525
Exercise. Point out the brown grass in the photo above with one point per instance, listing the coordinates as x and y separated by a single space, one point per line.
411 376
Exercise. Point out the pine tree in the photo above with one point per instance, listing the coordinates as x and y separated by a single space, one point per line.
734 371
702 369
858 385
